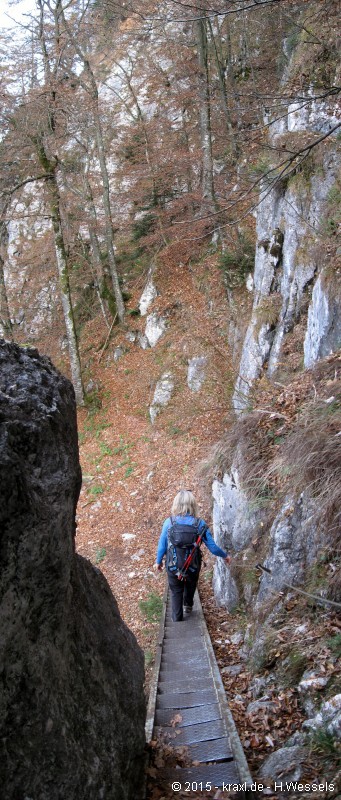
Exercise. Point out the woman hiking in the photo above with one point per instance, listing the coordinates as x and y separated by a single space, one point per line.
179 533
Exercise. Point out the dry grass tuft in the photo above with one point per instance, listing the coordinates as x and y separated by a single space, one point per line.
246 444
334 587
310 458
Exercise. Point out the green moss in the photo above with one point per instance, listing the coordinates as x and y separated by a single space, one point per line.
100 554
109 297
151 608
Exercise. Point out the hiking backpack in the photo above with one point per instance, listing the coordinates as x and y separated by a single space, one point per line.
181 541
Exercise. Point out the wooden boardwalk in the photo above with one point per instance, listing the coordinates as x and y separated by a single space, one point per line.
187 687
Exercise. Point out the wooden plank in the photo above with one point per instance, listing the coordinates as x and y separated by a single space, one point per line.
155 677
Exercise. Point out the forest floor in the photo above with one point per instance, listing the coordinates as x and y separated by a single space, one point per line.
132 470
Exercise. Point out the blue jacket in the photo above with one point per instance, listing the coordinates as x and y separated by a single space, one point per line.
207 538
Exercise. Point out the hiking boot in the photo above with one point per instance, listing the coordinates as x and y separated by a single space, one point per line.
187 611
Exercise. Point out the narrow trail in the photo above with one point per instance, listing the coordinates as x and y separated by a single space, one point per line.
188 707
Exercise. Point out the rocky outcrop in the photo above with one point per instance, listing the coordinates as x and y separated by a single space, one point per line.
162 395
148 295
235 520
72 703
196 372
155 327
291 542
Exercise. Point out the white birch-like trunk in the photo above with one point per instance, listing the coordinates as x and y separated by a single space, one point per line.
63 272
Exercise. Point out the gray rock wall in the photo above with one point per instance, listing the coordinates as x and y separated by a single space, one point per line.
323 332
292 547
235 520
71 673
287 263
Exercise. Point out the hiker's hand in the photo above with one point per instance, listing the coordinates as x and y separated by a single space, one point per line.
228 560
159 567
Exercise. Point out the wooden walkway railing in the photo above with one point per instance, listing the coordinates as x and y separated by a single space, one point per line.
187 688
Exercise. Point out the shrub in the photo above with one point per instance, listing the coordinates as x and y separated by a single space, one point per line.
143 226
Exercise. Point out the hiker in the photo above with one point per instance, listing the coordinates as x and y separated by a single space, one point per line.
179 533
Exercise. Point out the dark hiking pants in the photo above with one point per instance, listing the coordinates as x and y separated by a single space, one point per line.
182 593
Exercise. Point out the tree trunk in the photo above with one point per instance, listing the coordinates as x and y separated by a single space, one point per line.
223 91
205 115
5 318
50 166
95 248
107 211
66 303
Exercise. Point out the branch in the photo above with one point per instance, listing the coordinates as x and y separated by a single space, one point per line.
43 177
304 151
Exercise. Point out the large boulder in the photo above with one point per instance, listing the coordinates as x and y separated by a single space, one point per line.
71 673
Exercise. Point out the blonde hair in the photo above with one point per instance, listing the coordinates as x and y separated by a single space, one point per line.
185 503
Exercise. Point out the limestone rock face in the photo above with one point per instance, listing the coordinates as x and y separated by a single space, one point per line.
224 586
234 522
71 673
323 334
287 265
293 546
234 519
